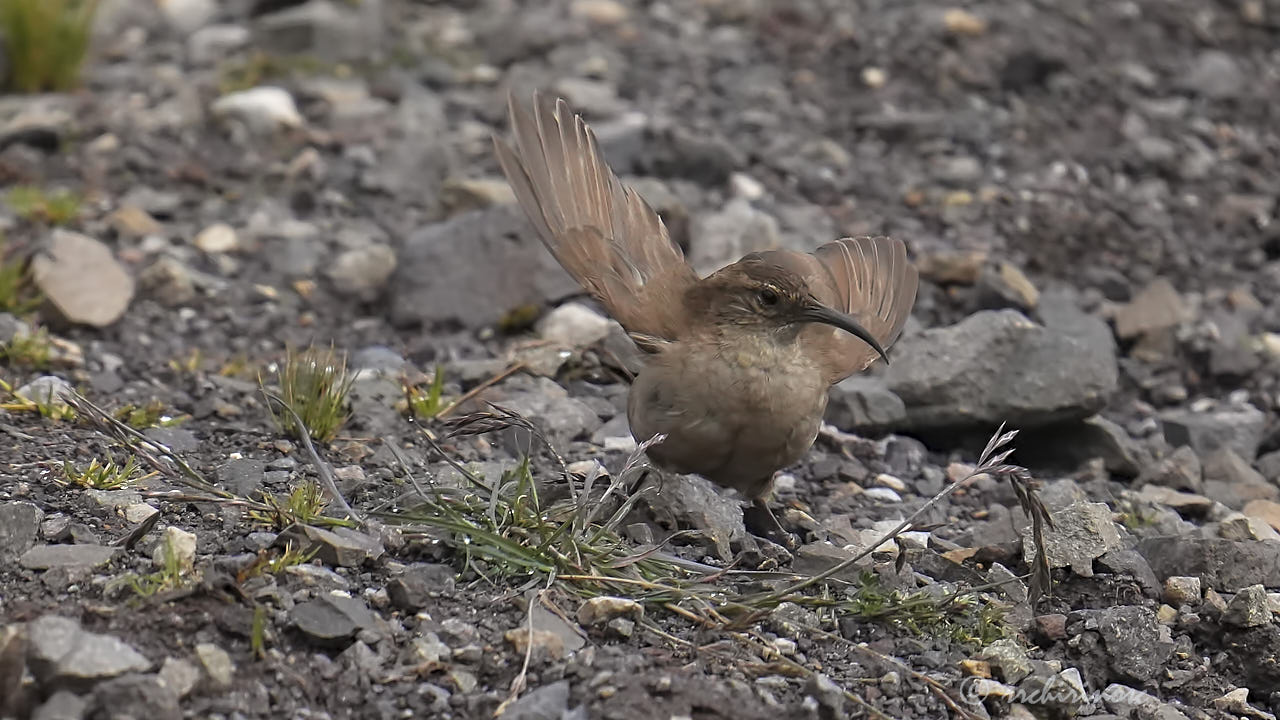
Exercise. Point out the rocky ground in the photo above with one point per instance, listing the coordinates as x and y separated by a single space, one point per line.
1089 190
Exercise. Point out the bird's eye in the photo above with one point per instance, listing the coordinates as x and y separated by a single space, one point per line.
768 296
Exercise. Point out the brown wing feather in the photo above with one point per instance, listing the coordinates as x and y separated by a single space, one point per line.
868 278
604 234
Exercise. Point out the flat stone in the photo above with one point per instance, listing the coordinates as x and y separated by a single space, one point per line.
1226 565
135 696
1240 429
64 655
217 665
864 404
81 277
1157 307
47 557
998 366
414 589
19 528
332 619
1137 645
340 547
1083 532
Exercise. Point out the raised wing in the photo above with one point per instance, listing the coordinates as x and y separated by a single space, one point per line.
604 234
869 278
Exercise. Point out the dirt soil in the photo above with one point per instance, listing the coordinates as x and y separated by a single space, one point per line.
1095 146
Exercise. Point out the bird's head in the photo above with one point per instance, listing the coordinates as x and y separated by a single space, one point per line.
761 296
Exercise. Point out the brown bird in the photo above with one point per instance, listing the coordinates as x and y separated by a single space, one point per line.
739 363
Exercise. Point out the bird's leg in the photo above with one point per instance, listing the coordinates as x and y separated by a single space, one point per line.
776 531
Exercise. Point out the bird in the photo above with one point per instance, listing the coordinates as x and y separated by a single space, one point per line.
737 365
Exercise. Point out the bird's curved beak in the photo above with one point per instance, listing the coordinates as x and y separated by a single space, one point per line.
819 313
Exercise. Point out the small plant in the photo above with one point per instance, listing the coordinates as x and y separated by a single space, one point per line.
425 405
46 41
148 416
170 576
18 294
48 407
314 384
304 505
99 476
268 563
28 349
260 67
34 204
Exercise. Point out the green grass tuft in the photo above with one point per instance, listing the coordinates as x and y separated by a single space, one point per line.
18 293
426 405
35 204
46 41
315 385
28 350
99 476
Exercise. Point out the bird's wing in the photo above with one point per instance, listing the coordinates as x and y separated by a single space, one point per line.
604 234
871 279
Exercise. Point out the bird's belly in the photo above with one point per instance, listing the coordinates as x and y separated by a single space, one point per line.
733 419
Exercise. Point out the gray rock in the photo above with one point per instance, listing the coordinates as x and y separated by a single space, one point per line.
135 696
373 399
332 619
62 705
242 476
263 110
19 528
64 655
180 675
1224 565
82 279
179 440
212 43
1082 532
362 272
574 325
1240 429
1126 561
1074 443
339 547
217 664
864 404
1136 642
1182 590
1157 307
48 390
828 693
1179 470
724 236
1269 466
549 702
332 31
13 664
549 407
378 357
473 269
1214 74
569 636
692 502
169 281
1249 608
1009 658
998 366
48 557
414 589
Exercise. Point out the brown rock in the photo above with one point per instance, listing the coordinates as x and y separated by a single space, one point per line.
82 279
1157 307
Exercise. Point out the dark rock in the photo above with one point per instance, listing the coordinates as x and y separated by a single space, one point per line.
332 620
1240 429
339 547
473 269
1179 470
1249 608
1069 445
47 557
1137 644
1224 565
549 702
998 366
179 440
19 527
1126 561
864 404
242 476
64 655
134 696
418 584
62 705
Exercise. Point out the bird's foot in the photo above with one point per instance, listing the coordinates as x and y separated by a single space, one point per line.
761 521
